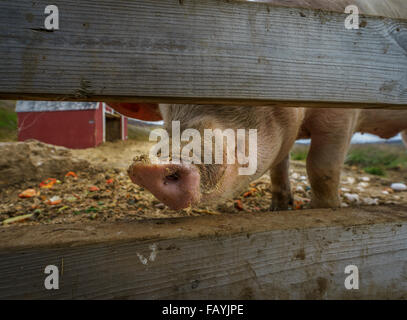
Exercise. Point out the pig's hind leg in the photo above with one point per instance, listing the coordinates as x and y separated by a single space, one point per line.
404 137
324 164
280 186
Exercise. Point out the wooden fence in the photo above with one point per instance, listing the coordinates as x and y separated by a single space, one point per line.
206 51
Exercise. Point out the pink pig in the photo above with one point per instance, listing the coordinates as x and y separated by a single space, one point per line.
182 185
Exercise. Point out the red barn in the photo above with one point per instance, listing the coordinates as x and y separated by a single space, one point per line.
74 125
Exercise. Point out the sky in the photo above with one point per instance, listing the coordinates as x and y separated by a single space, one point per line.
363 138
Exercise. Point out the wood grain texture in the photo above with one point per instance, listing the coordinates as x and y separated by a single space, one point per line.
206 51
384 8
279 255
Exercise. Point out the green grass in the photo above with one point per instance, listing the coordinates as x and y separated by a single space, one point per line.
299 152
374 159
299 155
377 159
375 170
8 122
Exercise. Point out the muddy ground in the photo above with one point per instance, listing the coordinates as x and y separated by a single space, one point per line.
73 186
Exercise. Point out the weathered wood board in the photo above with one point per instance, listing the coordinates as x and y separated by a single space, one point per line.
279 255
200 51
382 8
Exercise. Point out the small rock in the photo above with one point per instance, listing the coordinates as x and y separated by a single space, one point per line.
398 186
366 179
352 197
295 175
349 180
160 205
299 189
371 201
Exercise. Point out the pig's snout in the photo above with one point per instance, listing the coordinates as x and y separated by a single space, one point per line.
176 185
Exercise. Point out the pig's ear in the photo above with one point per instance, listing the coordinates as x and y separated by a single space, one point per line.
141 111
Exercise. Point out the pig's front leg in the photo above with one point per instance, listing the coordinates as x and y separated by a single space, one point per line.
324 165
280 186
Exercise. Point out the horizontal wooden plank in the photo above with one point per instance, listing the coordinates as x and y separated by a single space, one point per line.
206 51
389 8
286 255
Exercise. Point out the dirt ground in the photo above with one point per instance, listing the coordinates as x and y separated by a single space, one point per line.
72 186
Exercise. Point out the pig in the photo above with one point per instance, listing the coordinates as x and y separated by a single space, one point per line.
330 130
